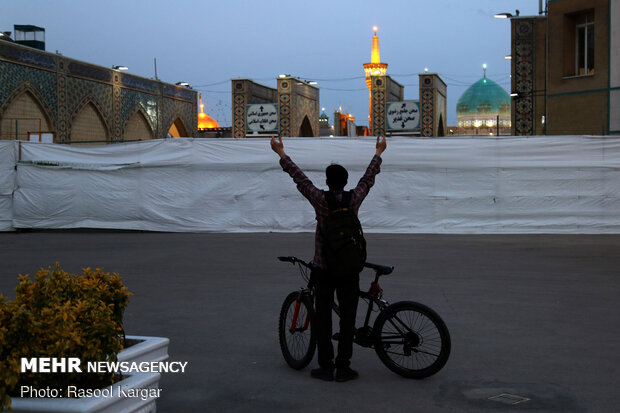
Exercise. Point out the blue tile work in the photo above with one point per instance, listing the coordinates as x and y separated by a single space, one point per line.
178 109
13 75
180 93
79 89
68 85
27 56
131 98
138 83
90 72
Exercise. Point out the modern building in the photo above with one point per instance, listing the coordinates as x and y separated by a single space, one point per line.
484 109
50 97
566 69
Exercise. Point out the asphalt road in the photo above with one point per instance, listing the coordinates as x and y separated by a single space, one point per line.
531 315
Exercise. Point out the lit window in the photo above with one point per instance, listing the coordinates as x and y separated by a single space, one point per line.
477 123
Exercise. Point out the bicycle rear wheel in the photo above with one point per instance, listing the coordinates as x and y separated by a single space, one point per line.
296 332
411 339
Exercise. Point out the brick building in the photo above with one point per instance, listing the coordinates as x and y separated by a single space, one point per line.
566 69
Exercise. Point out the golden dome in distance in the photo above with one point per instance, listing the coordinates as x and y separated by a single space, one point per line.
205 121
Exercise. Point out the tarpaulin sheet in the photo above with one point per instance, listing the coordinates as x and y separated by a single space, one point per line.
560 184
8 157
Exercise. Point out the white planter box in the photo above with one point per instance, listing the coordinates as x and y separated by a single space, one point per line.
116 400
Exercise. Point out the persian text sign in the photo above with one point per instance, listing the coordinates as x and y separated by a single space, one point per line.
262 117
403 116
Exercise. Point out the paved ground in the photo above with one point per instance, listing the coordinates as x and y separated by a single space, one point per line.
532 315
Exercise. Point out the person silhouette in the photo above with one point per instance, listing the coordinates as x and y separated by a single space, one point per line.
346 286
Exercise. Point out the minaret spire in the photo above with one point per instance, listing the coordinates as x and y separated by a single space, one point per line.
375 67
374 55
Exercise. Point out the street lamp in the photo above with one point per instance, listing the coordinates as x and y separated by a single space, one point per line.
120 68
506 15
182 84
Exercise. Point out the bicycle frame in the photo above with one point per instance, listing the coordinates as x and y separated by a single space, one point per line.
408 337
373 299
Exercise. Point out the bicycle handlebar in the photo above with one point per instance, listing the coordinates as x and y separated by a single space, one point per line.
294 260
380 269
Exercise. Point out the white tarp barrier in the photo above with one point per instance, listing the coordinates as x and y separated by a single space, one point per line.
8 157
562 184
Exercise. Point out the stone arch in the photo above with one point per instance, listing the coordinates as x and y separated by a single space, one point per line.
138 125
88 124
177 128
440 131
26 105
305 130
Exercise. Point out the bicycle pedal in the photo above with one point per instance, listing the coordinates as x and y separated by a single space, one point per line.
336 337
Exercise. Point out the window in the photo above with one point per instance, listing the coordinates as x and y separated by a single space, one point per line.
584 48
578 43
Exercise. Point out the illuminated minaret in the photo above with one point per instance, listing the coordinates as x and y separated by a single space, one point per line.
375 67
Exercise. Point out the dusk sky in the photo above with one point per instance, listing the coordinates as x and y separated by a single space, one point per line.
207 43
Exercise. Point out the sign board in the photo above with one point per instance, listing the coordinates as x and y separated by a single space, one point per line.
45 137
403 116
262 117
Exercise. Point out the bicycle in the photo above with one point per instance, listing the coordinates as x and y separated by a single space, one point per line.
409 338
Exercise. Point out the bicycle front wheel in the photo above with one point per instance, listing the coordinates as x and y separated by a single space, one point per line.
411 339
297 338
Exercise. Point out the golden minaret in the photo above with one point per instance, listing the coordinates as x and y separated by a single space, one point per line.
375 67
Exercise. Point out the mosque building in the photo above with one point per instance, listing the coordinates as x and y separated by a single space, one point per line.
484 109
47 97
205 121
209 127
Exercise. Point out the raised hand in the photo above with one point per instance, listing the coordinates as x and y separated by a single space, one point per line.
278 146
381 145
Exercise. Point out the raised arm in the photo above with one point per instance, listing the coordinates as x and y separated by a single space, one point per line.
304 184
368 180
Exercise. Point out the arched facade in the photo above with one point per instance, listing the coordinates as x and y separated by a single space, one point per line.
297 101
23 113
138 126
177 129
78 101
305 129
88 122
88 126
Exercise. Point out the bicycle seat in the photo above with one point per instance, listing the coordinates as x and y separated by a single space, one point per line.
380 269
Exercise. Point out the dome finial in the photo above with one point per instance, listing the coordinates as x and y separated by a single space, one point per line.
484 70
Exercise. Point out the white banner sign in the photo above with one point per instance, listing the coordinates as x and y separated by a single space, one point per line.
262 117
403 116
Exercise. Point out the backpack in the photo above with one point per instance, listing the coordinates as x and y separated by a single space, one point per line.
345 247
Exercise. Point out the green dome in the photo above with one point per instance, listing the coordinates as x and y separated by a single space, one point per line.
484 96
323 115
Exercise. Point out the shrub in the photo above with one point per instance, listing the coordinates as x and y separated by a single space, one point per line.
59 314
